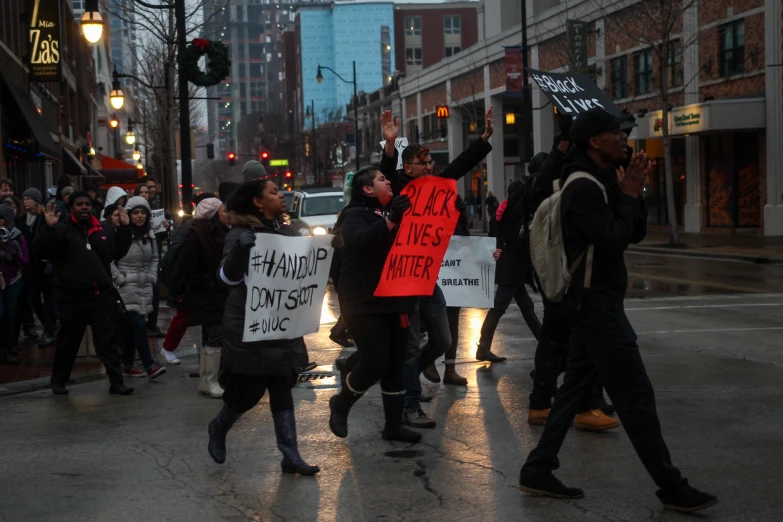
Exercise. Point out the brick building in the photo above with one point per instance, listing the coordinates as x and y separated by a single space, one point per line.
723 79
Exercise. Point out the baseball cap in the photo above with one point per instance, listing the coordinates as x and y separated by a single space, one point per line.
593 122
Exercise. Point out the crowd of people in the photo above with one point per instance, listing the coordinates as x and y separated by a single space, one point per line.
65 264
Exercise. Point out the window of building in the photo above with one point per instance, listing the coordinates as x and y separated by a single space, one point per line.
412 130
256 89
256 70
644 66
452 50
241 51
78 5
242 90
427 128
732 48
620 77
674 65
413 56
256 50
244 108
413 26
452 25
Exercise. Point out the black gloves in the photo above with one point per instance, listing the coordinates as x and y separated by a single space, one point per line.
397 208
247 239
564 123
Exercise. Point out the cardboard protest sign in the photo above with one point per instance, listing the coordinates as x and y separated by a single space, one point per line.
286 285
573 93
157 218
467 273
411 267
399 144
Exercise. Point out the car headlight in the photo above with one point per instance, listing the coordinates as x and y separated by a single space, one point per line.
319 231
304 231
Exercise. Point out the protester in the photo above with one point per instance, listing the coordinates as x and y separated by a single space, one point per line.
203 297
513 271
97 202
249 369
81 255
253 170
116 196
41 294
366 230
25 321
492 205
150 187
452 312
62 193
430 310
603 343
142 191
135 274
6 188
14 257
154 195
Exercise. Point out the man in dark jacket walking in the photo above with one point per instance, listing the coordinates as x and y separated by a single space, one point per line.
81 254
603 220
431 310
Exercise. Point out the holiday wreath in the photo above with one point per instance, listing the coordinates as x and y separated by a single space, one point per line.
218 64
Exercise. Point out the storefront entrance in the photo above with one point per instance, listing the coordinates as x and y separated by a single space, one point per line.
733 185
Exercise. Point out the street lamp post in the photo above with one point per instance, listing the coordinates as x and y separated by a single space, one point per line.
319 78
311 113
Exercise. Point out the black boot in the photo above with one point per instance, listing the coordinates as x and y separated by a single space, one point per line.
394 430
483 353
285 431
218 429
116 381
340 405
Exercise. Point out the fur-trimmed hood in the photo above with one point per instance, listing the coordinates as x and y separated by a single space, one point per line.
235 219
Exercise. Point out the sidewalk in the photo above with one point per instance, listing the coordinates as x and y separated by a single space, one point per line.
753 249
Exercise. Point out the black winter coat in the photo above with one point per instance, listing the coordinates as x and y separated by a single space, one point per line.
551 171
79 272
274 358
462 165
366 243
513 267
587 219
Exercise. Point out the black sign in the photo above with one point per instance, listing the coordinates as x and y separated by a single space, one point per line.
573 93
577 44
45 41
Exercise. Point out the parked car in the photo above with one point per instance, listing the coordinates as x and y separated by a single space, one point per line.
314 211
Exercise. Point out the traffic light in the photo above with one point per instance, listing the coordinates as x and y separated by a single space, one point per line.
232 159
288 174
210 151
265 159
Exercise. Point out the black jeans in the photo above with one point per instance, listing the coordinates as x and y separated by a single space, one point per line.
242 392
503 297
551 353
381 344
603 345
450 353
75 316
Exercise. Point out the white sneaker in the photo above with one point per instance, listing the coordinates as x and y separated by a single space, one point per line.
171 357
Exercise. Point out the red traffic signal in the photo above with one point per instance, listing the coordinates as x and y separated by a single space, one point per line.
288 174
232 159
264 155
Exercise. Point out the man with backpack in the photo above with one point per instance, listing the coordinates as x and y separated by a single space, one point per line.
602 212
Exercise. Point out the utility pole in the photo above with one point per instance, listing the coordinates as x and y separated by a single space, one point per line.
184 112
527 107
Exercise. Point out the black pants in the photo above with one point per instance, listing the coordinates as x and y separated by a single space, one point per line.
339 329
75 316
152 317
381 343
450 354
503 297
551 353
603 345
243 392
43 303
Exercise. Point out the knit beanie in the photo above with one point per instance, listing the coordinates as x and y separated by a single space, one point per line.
253 170
135 202
108 210
7 213
34 194
207 208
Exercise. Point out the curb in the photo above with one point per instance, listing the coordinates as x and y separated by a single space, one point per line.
757 260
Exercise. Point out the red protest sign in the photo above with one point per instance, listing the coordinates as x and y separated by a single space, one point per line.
414 260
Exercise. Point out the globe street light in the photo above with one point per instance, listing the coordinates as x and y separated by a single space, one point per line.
136 154
139 166
114 122
116 97
92 26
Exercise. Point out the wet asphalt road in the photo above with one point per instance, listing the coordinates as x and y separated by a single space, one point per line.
712 337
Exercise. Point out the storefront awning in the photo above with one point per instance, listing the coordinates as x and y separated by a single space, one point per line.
72 165
46 144
94 176
118 172
729 115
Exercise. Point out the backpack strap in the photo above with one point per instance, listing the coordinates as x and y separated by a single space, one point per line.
588 254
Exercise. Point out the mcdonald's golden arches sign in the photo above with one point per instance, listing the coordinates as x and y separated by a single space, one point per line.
442 112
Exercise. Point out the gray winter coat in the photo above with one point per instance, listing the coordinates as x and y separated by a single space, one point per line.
275 358
135 275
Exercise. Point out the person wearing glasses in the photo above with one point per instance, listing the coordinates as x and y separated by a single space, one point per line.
430 310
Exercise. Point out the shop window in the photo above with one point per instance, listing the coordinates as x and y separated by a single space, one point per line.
655 193
413 56
412 131
620 77
426 134
733 184
644 67
732 48
674 73
452 50
452 25
413 26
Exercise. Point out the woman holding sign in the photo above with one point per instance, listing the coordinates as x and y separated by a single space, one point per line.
365 232
252 368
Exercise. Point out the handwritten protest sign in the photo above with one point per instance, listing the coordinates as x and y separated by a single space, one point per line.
573 93
412 264
399 144
157 218
286 284
467 273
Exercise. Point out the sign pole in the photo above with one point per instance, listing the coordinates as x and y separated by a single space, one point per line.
527 108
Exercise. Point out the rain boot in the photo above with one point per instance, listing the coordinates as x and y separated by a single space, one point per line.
452 377
209 365
285 431
393 403
218 429
340 405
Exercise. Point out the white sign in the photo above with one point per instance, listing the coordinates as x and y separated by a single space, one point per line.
399 144
158 217
286 285
467 273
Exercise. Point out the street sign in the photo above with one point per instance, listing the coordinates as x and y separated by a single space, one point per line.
278 163
442 112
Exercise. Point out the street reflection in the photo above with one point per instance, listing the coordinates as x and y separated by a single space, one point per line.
330 307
